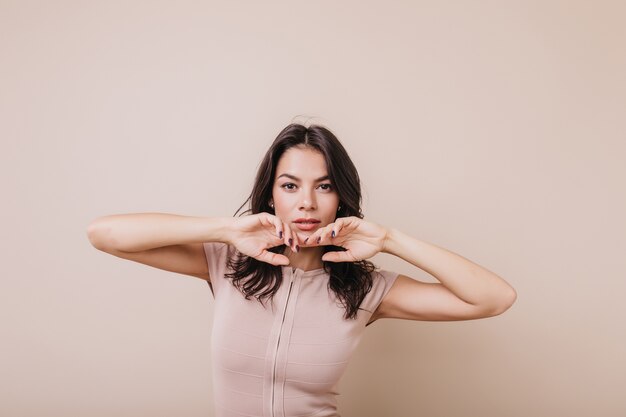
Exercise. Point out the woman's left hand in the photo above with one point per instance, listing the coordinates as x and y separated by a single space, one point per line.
360 238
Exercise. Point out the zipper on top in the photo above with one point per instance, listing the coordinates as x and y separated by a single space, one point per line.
280 331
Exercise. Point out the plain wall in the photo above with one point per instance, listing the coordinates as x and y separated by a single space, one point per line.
493 129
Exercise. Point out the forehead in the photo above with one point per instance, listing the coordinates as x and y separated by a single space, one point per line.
304 163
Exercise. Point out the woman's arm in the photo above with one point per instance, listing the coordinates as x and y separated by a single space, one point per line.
467 290
137 232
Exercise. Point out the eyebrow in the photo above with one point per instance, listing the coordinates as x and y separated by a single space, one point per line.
293 177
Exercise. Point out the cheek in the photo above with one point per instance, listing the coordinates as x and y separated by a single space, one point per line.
332 205
281 200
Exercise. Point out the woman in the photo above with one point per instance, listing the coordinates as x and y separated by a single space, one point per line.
292 285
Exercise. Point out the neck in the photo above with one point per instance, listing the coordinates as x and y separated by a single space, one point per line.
307 259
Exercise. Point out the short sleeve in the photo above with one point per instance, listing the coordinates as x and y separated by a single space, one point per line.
217 254
382 283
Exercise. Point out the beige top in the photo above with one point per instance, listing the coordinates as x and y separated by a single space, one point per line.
284 360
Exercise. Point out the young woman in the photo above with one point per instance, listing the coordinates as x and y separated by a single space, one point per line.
292 285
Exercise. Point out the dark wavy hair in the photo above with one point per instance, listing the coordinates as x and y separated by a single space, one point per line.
350 281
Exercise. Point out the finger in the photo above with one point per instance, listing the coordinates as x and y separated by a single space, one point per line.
278 225
324 236
268 221
289 237
336 228
273 231
296 240
311 240
338 256
273 258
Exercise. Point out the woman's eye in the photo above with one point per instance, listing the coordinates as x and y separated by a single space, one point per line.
289 185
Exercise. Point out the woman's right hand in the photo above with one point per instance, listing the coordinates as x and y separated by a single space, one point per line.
254 234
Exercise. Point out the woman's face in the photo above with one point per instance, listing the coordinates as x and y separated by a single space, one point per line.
302 191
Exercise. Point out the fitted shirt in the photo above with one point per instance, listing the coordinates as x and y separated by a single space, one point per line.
283 359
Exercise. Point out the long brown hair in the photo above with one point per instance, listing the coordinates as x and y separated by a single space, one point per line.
350 281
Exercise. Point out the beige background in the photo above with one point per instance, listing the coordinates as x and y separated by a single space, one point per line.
493 129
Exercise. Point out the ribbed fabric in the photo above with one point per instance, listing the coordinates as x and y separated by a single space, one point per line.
284 360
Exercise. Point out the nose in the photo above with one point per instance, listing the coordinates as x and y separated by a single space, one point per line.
308 200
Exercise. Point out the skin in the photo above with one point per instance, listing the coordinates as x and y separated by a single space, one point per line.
306 198
465 289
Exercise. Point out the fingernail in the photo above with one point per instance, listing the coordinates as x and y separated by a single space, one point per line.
280 234
306 239
297 248
332 234
318 239
290 241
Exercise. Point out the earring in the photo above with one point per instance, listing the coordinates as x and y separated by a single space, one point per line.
272 205
339 208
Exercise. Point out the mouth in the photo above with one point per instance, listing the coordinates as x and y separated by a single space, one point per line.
306 221
306 224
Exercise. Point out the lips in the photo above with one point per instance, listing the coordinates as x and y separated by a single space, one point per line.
306 225
306 221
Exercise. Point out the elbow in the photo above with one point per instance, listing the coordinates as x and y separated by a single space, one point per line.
505 301
95 235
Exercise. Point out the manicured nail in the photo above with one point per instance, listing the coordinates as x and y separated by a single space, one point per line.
318 239
280 234
290 241
332 234
297 248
